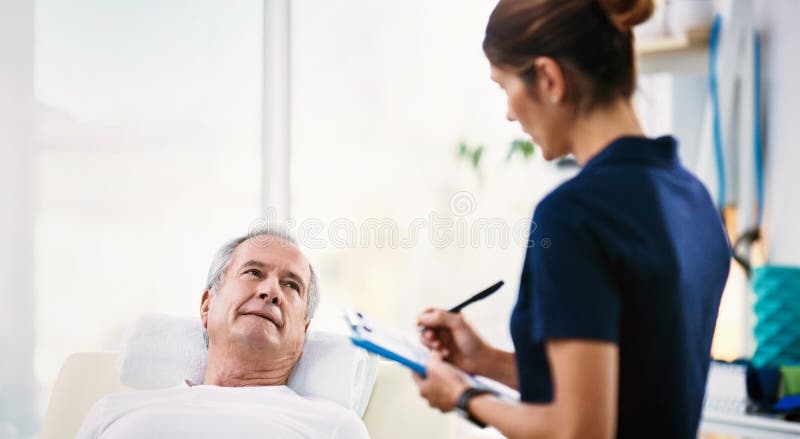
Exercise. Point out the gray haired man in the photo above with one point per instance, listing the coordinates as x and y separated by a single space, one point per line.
259 299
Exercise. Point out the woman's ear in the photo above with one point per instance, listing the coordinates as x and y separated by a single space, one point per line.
204 304
550 83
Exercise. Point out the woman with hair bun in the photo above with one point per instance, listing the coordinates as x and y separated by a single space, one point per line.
616 310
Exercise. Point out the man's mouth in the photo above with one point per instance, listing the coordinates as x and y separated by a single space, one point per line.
264 316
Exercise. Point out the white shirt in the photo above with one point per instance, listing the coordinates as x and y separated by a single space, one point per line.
205 411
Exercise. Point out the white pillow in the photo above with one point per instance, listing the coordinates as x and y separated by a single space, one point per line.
161 351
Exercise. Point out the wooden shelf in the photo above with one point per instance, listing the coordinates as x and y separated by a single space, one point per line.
686 54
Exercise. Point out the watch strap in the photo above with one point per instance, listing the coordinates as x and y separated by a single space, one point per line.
463 400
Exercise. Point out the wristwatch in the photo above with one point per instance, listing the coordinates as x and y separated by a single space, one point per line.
463 400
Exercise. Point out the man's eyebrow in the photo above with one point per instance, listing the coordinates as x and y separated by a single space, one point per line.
253 263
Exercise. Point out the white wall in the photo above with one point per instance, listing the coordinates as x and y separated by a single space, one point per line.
17 389
778 22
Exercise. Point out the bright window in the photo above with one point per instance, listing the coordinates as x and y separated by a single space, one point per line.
383 92
148 132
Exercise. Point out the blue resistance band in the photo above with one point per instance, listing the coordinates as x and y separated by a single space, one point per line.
713 53
759 160
753 233
713 45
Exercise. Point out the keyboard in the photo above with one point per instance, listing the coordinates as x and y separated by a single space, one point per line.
726 401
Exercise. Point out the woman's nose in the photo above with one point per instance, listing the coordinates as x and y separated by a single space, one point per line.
510 116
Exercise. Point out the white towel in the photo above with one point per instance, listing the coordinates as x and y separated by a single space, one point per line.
160 351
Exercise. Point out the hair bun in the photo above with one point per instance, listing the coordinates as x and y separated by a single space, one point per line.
625 14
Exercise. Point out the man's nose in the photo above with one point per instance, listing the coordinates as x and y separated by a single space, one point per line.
270 291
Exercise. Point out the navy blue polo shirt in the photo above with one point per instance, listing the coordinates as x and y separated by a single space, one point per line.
632 251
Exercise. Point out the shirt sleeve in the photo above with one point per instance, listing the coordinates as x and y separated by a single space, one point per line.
574 292
351 427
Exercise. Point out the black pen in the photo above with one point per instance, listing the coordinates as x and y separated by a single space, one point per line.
482 295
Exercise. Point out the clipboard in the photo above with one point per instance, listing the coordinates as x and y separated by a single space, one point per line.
409 352
386 342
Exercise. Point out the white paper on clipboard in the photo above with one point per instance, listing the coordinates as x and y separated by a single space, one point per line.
408 351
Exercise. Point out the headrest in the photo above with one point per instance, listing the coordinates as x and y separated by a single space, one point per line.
160 351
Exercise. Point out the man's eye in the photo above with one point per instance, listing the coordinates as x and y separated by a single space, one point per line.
254 272
293 286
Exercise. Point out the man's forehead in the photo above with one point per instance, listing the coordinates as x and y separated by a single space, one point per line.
272 251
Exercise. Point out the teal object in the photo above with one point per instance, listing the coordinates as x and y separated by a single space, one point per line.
777 310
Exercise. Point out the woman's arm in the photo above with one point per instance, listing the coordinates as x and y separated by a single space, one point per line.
500 366
585 382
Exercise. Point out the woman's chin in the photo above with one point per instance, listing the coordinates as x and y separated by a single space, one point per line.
549 155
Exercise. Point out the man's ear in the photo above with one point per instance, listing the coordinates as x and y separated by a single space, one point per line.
550 82
204 304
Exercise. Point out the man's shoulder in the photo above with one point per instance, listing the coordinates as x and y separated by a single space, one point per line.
105 410
326 406
134 397
349 424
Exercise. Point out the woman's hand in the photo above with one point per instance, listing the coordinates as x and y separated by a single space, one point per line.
442 385
450 336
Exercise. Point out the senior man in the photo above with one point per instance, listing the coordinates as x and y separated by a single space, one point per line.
259 299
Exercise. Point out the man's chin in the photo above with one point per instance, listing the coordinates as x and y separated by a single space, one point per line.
260 333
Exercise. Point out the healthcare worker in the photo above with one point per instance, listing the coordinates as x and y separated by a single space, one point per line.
626 262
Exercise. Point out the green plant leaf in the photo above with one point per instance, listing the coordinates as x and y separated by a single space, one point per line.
473 155
476 156
521 146
463 150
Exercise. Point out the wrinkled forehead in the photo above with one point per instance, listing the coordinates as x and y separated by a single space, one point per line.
273 251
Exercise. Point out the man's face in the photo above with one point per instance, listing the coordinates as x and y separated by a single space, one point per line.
261 304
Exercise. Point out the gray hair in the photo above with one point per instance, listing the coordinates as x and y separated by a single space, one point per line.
222 259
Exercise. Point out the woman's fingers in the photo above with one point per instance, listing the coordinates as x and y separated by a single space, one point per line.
437 335
435 338
435 318
444 336
428 338
424 316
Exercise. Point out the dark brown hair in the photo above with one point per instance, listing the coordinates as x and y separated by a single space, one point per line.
591 40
